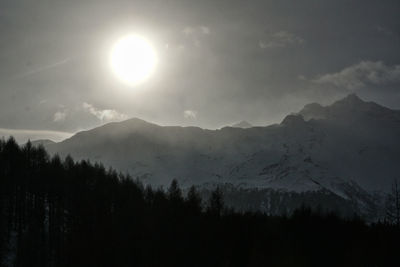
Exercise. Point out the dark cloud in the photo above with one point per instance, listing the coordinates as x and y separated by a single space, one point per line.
365 73
281 39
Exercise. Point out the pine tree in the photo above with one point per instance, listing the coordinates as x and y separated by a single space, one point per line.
174 192
216 202
193 200
393 204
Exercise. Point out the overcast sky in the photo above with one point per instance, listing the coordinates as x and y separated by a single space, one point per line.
219 61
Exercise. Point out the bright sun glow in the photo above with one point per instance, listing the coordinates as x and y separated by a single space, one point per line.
133 59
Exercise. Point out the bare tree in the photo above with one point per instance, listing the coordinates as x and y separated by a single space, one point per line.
393 204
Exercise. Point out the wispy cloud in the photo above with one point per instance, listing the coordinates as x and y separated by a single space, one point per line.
43 68
60 116
385 31
105 115
190 114
191 30
23 135
362 74
195 33
281 39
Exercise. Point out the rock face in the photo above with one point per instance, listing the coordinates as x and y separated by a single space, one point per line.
349 146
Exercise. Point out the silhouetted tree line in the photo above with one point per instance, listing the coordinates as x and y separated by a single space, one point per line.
283 203
392 205
63 213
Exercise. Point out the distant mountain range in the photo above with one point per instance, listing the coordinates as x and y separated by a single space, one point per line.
43 142
350 148
242 124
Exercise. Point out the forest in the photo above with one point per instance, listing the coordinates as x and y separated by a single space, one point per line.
60 212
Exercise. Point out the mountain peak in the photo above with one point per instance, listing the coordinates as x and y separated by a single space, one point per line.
313 111
316 111
354 104
132 122
351 99
293 119
348 109
353 96
125 127
135 120
242 124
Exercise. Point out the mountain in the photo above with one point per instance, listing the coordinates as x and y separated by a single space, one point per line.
351 109
242 124
42 142
350 148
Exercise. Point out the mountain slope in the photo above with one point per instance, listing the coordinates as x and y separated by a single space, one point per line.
242 124
43 142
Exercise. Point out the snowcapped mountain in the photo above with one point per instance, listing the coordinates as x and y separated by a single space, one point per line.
350 148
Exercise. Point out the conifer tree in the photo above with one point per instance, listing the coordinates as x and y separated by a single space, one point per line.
216 202
193 200
393 204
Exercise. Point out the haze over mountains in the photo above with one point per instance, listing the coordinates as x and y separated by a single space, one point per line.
242 124
349 146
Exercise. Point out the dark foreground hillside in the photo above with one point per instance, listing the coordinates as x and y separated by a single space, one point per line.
64 213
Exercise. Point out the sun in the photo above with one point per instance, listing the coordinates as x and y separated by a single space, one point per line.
133 59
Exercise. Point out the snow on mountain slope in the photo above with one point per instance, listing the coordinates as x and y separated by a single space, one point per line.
349 144
361 141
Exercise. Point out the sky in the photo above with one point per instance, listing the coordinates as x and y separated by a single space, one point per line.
219 62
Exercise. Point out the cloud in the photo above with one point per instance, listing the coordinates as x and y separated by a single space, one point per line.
205 30
105 115
190 114
385 31
190 30
22 135
302 78
43 68
281 39
196 33
59 116
362 74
